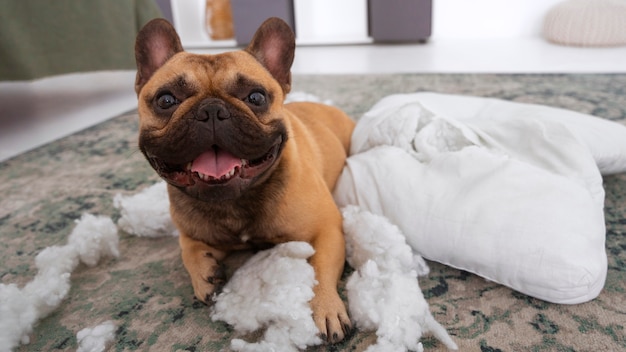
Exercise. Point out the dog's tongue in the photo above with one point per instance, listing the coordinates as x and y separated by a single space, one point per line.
215 163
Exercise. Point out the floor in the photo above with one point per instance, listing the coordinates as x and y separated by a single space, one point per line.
38 112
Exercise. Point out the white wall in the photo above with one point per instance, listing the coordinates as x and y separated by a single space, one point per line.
489 18
452 19
346 23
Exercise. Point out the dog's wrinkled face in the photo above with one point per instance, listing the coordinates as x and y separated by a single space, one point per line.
213 125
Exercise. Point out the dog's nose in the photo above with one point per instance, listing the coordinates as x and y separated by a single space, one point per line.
212 109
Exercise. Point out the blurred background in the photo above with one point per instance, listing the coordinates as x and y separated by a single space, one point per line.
69 64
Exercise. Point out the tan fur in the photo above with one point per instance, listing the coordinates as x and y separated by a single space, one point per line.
296 202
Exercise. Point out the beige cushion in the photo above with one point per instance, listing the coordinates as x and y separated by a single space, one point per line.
587 23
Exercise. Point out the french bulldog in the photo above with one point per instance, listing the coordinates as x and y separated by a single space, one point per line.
244 170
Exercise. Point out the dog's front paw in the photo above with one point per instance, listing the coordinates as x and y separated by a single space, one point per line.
331 318
207 277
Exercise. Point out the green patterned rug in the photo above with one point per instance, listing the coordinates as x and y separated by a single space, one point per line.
147 293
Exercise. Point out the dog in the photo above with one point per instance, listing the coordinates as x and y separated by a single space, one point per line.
244 170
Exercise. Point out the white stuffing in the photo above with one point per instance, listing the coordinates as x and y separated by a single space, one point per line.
20 309
271 290
94 237
383 292
97 338
146 213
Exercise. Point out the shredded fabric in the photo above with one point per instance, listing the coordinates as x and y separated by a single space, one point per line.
20 309
146 213
97 338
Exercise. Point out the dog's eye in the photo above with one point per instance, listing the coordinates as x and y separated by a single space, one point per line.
256 98
166 101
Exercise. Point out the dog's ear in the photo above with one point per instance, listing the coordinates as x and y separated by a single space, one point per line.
273 45
156 43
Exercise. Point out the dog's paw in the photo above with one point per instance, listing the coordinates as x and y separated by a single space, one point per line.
207 279
331 318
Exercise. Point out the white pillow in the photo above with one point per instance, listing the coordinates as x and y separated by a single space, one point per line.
508 191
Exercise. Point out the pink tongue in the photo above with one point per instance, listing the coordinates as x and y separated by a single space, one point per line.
215 163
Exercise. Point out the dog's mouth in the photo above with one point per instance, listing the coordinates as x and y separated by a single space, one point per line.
216 167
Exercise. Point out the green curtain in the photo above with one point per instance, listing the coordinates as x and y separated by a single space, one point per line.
41 38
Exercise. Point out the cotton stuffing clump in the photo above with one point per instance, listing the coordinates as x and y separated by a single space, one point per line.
96 339
92 238
383 292
146 213
272 290
378 240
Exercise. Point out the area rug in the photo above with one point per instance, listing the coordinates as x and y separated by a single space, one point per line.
146 291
